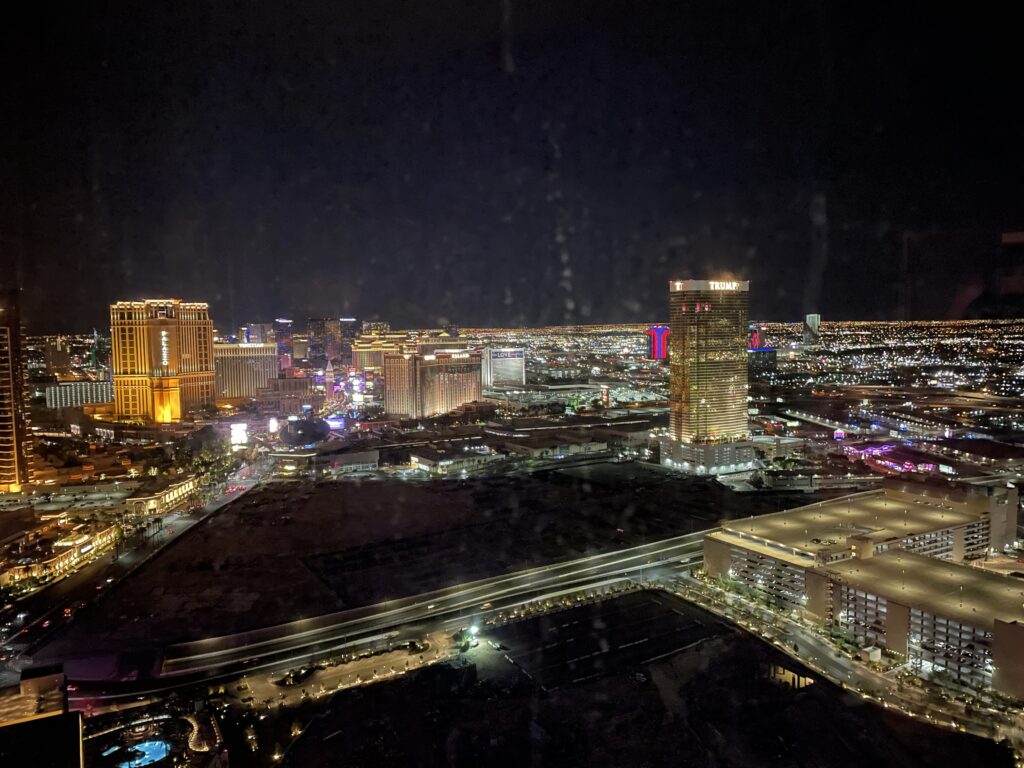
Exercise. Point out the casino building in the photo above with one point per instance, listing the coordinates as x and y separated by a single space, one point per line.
708 431
431 381
244 369
162 351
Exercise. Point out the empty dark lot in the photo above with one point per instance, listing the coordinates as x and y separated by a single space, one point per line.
711 705
290 551
603 638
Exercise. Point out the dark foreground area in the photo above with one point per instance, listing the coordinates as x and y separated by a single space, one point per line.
722 700
291 551
593 640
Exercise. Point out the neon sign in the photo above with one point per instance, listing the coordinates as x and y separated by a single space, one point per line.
165 351
719 285
657 342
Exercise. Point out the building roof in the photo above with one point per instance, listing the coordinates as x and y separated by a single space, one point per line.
157 485
989 449
967 594
790 557
828 525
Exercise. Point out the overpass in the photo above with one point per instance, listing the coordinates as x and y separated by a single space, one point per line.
469 601
226 657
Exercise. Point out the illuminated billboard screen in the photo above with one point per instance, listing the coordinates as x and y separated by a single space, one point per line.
239 434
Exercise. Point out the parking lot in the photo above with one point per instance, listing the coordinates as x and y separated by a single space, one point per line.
602 638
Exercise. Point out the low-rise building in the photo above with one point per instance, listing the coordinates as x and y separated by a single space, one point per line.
325 460
810 480
441 461
347 462
555 445
291 396
163 495
776 446
60 549
986 453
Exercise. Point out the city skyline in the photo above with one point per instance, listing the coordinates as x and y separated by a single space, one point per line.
511 383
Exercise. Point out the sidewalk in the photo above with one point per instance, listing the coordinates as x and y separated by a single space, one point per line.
263 690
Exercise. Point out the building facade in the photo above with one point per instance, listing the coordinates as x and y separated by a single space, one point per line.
425 384
503 367
283 336
889 568
71 394
257 333
289 396
243 369
350 328
162 358
162 496
812 330
324 338
708 430
369 348
15 444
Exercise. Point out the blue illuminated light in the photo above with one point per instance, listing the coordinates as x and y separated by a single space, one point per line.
148 752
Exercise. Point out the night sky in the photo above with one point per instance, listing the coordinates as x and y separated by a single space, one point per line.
408 161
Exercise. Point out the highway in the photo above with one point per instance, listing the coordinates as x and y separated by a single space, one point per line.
469 601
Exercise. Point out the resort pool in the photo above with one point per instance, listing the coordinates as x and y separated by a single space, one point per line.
151 752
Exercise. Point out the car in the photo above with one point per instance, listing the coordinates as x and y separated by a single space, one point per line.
46 623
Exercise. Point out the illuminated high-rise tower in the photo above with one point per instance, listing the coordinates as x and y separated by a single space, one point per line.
812 330
244 369
15 444
283 334
431 379
162 352
708 431
324 338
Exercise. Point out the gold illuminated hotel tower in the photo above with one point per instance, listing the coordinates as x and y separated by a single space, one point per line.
162 358
708 431
15 442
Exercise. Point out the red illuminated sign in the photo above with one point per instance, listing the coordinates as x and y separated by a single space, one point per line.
657 342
